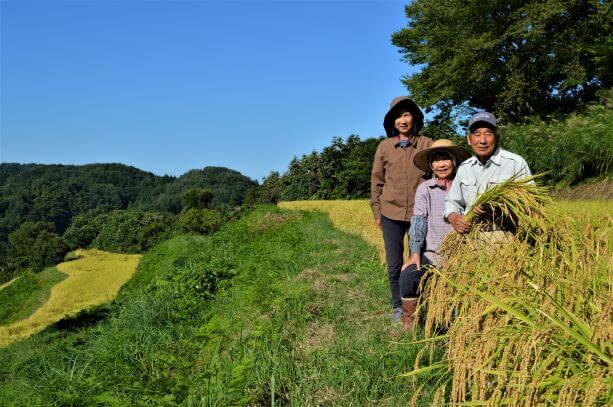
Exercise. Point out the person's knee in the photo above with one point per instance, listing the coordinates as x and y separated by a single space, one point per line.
411 268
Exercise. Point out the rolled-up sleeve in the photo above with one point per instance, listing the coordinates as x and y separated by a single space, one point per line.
454 201
417 233
377 181
419 220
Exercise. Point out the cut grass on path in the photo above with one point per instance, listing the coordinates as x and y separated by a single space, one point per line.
92 280
312 330
353 216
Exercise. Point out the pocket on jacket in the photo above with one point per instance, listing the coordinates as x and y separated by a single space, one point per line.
469 190
390 194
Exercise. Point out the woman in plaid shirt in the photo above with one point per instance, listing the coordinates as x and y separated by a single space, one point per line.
428 228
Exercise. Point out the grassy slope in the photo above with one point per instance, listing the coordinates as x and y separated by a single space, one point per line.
304 322
26 294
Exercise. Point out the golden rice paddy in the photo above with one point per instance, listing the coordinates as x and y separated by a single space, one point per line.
93 279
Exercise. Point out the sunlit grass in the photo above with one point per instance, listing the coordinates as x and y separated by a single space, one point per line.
350 216
3 286
93 279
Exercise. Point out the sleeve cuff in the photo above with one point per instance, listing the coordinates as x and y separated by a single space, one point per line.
415 248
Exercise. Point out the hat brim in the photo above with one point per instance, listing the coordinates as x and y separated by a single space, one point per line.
422 158
408 105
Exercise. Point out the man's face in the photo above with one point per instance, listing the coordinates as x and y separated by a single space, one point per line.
404 123
483 142
442 165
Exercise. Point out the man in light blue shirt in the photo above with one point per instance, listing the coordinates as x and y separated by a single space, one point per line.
490 165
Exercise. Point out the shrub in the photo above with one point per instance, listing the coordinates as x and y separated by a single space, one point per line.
201 221
202 276
132 231
573 149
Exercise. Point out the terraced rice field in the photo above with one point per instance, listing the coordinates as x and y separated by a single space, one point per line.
93 279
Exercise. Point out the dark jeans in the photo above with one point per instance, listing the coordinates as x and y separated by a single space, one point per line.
393 237
410 278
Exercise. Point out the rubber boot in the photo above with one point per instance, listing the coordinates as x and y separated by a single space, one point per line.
409 319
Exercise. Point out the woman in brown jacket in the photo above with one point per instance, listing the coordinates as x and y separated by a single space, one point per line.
394 180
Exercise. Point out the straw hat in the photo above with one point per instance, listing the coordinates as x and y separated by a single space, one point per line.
422 158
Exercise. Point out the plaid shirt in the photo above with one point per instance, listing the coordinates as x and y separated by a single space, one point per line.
427 223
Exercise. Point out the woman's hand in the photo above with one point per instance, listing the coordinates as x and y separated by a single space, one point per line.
415 258
378 221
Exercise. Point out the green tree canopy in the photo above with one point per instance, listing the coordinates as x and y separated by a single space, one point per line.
35 245
197 198
340 171
513 57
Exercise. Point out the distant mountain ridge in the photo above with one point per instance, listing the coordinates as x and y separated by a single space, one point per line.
56 192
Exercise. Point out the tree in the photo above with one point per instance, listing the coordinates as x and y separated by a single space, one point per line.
83 230
35 245
201 221
340 171
197 198
512 57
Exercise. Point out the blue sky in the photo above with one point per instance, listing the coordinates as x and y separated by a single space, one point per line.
167 86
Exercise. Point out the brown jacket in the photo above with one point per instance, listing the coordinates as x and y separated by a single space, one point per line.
394 178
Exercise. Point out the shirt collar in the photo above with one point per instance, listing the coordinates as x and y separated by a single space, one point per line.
495 158
436 183
412 141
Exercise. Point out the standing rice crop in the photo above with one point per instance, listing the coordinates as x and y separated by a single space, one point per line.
93 279
528 321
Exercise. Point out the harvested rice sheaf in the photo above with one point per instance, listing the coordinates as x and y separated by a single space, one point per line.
530 320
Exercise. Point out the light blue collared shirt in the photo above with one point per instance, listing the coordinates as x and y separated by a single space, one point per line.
473 178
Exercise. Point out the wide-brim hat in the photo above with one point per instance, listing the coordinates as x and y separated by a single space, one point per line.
404 103
422 158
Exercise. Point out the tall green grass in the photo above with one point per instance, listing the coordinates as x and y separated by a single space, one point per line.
300 317
573 149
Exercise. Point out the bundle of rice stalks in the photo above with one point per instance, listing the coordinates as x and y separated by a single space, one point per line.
517 200
529 321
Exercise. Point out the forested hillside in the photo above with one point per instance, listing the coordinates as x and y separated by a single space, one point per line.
56 193
46 210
